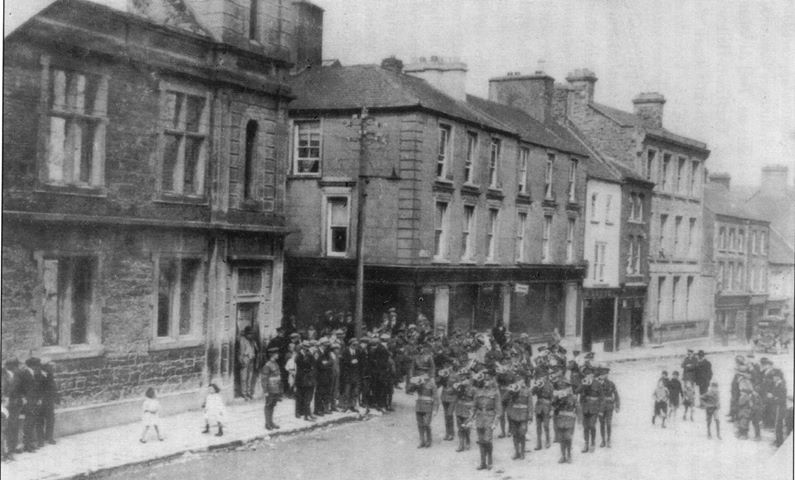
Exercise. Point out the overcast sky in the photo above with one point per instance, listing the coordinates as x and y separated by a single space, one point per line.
727 68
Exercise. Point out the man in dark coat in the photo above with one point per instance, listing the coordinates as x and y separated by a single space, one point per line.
305 373
703 373
11 390
380 376
30 388
351 374
324 367
272 386
281 342
49 398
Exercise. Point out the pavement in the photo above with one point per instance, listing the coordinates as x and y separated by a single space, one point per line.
85 454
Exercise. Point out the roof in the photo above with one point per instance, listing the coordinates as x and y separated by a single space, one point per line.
777 207
600 165
353 87
721 201
779 250
627 119
171 13
549 134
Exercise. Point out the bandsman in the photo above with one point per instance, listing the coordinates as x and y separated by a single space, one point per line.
446 380
464 408
426 405
271 379
564 406
609 402
520 400
488 407
542 389
590 396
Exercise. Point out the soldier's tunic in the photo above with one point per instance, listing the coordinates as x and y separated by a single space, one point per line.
590 396
423 407
520 405
565 416
271 379
488 406
448 399
609 400
464 405
543 404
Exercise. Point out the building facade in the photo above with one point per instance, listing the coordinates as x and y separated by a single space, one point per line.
471 218
143 197
676 305
736 249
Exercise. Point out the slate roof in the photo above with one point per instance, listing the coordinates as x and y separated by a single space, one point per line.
722 201
776 207
602 166
627 119
779 250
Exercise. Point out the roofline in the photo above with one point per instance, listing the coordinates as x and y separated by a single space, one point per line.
782 237
729 215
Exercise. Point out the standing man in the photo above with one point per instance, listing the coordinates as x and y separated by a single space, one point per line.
247 356
447 380
464 407
564 406
520 401
543 390
271 378
351 375
777 396
323 379
282 343
426 405
49 398
609 402
689 367
488 407
703 373
590 395
11 390
305 372
30 389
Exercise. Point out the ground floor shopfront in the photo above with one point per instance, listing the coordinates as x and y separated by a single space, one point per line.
612 318
527 299
737 314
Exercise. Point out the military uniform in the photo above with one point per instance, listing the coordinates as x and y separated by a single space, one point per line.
744 407
271 379
543 411
449 397
464 407
590 395
488 407
609 402
426 403
520 403
564 406
504 380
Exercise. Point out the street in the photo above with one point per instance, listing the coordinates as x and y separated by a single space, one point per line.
385 447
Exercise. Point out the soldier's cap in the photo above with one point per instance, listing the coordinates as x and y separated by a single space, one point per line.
305 344
602 371
741 369
295 335
329 312
589 355
353 340
739 359
273 350
412 327
392 309
338 331
313 343
384 336
689 350
701 353
542 348
335 345
33 362
324 341
765 361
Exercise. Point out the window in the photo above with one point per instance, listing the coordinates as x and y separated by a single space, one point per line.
631 255
637 252
666 166
75 153
548 176
599 261
680 175
249 281
250 160
722 238
594 203
524 155
762 243
608 202
307 147
740 276
185 116
573 181
752 239
691 235
444 151
472 154
68 299
663 227
546 236
179 308
688 296
494 163
337 226
440 231
721 275
521 227
650 164
677 235
730 276
570 240
660 290
491 234
633 206
641 199
694 175
674 294
253 15
741 240
467 245
732 240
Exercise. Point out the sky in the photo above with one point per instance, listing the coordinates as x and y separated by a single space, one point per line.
726 67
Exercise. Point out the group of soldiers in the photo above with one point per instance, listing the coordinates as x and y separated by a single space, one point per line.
483 382
759 398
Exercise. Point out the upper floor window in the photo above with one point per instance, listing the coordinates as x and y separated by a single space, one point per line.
599 261
179 297
253 20
663 227
249 162
494 163
694 176
665 172
472 154
641 200
570 240
68 310
440 231
491 234
691 237
306 136
762 243
337 225
443 157
680 175
608 212
631 255
732 240
467 242
650 164
521 228
722 238
677 235
594 203
752 238
573 181
77 115
524 156
546 234
548 176
741 240
186 131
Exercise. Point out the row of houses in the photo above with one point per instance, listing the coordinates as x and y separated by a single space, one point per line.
175 171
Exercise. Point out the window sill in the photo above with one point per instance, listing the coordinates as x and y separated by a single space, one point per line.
440 260
72 352
468 261
304 176
470 187
158 344
179 199
337 255
609 223
595 222
73 190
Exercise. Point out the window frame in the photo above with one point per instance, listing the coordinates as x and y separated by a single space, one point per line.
524 163
328 196
470 160
546 234
600 250
608 205
495 151
198 303
492 233
549 193
521 235
663 227
442 250
295 158
444 152
594 207
665 165
570 234
573 165
468 229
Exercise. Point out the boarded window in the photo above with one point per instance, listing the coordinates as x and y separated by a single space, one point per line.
68 296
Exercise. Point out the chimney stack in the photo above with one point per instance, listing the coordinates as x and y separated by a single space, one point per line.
447 75
532 94
649 107
721 179
392 64
774 179
583 81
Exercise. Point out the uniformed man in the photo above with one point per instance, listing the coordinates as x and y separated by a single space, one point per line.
488 407
270 376
351 375
689 367
325 366
564 406
464 407
504 378
609 402
423 362
446 380
31 390
520 400
542 389
425 406
305 372
744 407
575 376
590 395
777 396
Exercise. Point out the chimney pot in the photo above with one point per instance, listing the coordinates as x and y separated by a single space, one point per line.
649 107
721 178
774 179
583 80
393 64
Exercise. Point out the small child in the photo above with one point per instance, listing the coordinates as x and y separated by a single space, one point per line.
688 399
710 401
150 417
214 410
757 410
674 394
660 401
5 449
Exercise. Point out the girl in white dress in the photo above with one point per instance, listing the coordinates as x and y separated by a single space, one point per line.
151 415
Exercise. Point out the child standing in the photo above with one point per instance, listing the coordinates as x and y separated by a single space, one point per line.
710 401
674 394
660 401
151 415
688 399
214 410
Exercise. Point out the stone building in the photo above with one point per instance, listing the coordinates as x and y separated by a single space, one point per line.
736 247
143 196
677 304
473 210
